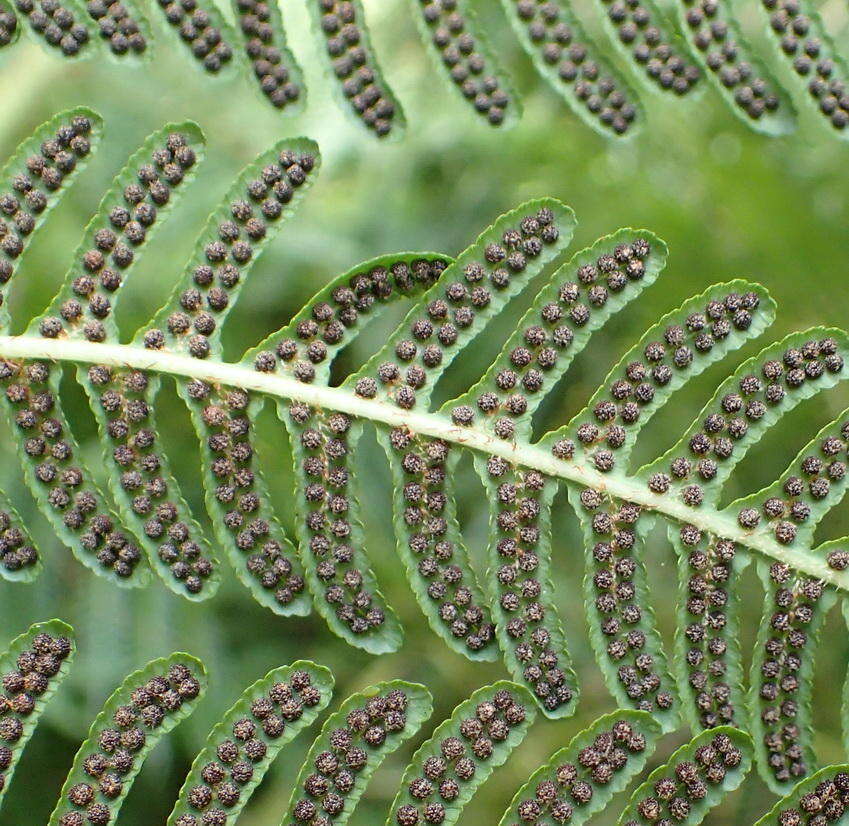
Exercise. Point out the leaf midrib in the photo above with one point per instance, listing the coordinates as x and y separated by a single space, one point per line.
428 424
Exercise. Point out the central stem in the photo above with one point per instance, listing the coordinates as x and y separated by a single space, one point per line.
427 424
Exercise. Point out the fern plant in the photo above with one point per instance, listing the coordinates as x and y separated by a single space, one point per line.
578 780
671 54
143 521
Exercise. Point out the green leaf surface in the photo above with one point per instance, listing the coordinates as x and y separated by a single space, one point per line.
123 47
814 483
78 42
81 782
419 706
345 307
481 706
791 803
115 198
469 273
270 689
204 32
162 538
806 50
17 165
626 636
250 191
539 642
337 41
661 391
31 640
769 110
653 34
461 53
699 806
569 309
263 25
428 571
20 561
785 664
757 421
65 490
641 723
238 546
707 660
620 113
340 533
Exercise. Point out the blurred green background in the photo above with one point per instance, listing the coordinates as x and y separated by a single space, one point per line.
728 202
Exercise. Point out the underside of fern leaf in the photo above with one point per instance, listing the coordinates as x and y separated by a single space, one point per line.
145 707
353 742
461 754
450 302
821 798
452 33
696 778
668 50
554 38
31 669
579 780
240 749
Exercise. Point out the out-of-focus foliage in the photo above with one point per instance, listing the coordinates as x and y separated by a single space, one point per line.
728 202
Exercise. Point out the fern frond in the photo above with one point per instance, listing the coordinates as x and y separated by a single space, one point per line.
268 715
425 424
61 26
141 196
353 742
123 26
781 677
352 66
745 405
20 561
140 199
471 291
45 163
623 630
821 798
451 304
330 530
453 312
552 33
805 43
36 177
794 608
452 34
708 660
262 197
144 708
461 754
844 604
580 779
31 669
201 27
762 389
571 63
645 38
274 67
696 778
743 80
546 341
306 347
191 321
